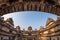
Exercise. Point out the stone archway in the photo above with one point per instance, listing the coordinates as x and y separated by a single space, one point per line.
24 5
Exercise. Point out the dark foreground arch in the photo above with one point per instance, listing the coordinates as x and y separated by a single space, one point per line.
44 6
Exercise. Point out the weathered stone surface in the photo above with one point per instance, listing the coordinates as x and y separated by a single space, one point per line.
25 5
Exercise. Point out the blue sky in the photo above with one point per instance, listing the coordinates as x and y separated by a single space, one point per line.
30 18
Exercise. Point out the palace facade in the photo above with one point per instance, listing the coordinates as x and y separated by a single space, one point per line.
50 32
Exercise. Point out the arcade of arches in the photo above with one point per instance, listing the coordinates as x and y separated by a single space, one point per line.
7 30
9 6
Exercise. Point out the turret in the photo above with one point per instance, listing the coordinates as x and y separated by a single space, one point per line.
1 19
29 29
10 21
18 28
58 20
49 22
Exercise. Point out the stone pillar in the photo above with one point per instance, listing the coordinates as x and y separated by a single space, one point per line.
38 7
50 38
12 8
26 38
1 38
53 9
29 7
0 17
13 38
25 7
9 38
57 38
16 6
42 5
16 38
58 10
33 7
33 38
0 11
